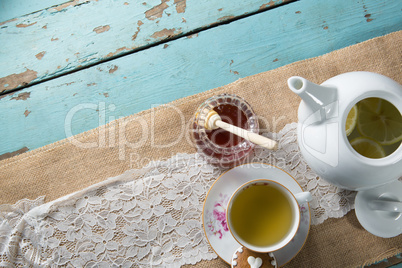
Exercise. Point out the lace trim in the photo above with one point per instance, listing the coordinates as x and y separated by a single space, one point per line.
144 218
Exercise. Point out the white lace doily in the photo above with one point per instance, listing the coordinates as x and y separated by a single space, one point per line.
143 218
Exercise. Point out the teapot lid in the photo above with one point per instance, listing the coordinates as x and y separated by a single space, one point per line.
379 209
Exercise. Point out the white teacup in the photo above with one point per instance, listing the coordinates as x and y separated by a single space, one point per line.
264 215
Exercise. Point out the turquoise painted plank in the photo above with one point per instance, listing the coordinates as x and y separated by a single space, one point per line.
215 57
61 39
399 265
10 9
391 262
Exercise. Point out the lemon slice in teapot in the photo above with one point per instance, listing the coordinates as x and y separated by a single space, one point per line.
368 147
379 120
374 104
351 120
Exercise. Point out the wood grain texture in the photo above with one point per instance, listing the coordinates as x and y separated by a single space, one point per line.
79 33
36 116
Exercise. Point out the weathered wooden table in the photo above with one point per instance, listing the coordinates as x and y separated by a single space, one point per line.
66 68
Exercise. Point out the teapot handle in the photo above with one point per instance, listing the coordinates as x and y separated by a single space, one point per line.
392 206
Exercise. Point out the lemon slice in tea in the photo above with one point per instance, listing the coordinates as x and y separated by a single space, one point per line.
368 147
374 104
378 119
351 120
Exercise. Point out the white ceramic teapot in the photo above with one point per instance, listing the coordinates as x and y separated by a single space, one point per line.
321 131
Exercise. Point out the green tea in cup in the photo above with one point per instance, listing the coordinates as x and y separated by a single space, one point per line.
264 215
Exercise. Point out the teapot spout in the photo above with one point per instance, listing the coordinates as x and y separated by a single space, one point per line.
315 96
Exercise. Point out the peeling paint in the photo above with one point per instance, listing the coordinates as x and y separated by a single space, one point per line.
367 16
66 5
166 33
269 4
44 27
8 155
235 72
92 84
26 113
298 12
54 39
220 9
156 11
325 27
114 69
224 18
165 45
23 25
7 21
22 96
111 54
106 95
14 80
126 4
192 36
275 60
101 29
40 55
180 6
139 23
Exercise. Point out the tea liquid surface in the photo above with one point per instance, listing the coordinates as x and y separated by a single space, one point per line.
261 215
374 128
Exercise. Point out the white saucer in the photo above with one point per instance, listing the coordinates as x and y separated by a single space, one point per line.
214 211
380 223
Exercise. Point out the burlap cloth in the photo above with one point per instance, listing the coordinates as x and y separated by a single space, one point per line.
62 168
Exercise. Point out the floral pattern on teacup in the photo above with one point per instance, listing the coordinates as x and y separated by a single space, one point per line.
216 219
304 214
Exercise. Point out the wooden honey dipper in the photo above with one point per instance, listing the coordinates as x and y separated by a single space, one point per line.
214 121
